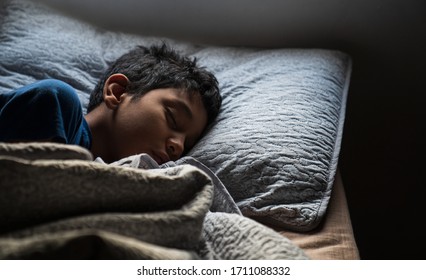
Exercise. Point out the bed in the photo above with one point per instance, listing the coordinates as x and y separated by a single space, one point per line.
262 183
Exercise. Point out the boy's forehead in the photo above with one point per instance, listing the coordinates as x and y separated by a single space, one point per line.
191 95
188 92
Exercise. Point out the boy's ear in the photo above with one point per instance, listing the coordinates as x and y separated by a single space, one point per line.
114 88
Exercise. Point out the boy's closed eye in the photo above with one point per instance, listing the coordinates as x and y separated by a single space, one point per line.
171 118
179 117
178 114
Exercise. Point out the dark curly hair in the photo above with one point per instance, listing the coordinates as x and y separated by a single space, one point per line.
159 66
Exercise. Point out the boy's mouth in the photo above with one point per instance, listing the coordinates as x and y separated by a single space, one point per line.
160 157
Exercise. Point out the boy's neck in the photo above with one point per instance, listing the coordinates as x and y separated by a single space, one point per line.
96 119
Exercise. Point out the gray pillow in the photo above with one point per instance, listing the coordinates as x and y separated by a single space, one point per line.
276 142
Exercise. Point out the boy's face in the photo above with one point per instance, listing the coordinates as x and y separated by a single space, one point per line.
163 123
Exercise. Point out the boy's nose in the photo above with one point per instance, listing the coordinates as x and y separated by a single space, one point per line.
175 147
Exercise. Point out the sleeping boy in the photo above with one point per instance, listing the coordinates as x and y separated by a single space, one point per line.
150 100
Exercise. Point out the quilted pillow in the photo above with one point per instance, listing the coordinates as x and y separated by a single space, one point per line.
276 142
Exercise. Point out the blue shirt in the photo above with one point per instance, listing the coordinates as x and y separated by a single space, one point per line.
48 110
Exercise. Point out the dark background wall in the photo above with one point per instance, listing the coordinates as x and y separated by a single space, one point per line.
382 158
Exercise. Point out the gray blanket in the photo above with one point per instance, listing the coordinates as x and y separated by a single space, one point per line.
57 203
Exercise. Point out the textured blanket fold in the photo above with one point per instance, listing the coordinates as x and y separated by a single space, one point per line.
55 202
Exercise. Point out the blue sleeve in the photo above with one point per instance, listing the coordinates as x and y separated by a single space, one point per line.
49 110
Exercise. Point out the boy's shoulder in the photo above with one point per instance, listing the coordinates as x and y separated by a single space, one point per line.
50 92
